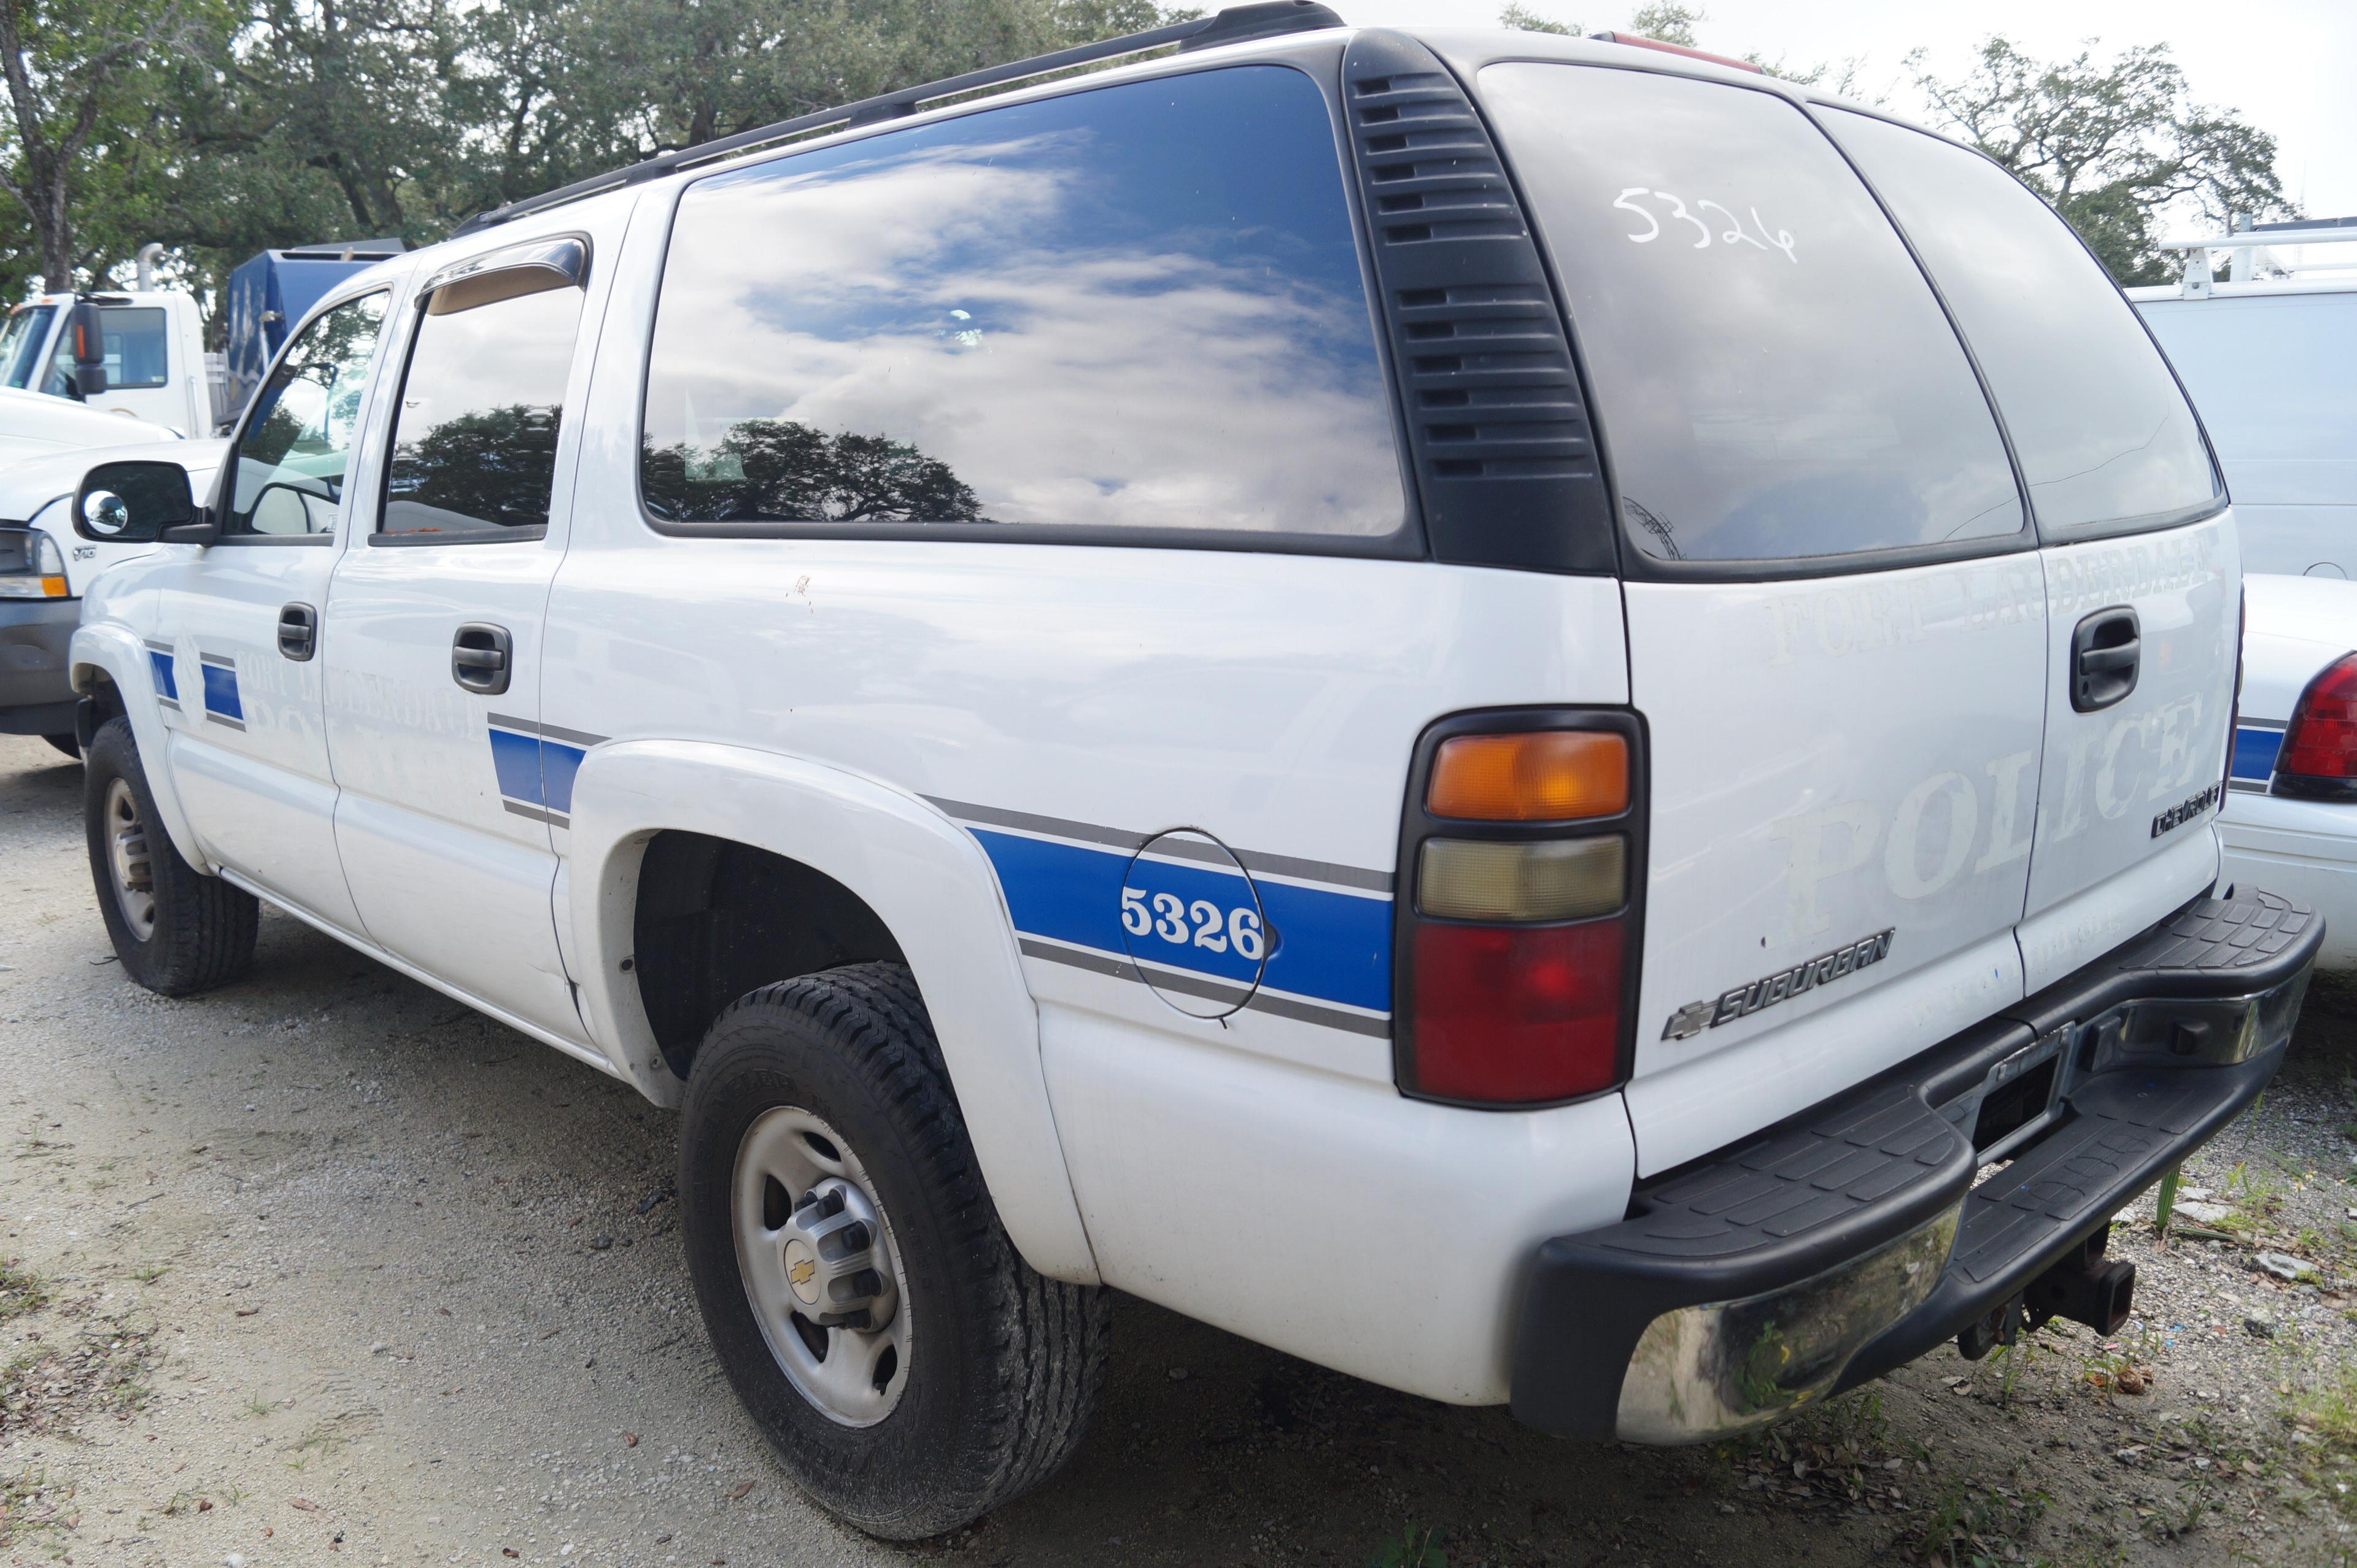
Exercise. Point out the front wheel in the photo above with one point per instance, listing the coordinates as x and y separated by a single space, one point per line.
176 930
911 1371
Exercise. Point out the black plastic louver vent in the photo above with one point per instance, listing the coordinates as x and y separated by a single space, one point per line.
1497 428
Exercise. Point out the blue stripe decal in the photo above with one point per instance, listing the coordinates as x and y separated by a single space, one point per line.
516 759
220 693
558 764
168 684
1335 947
2254 753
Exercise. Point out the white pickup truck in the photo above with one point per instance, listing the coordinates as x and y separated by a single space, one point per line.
145 358
1414 693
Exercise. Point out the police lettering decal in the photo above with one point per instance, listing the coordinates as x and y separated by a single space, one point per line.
2177 816
1782 986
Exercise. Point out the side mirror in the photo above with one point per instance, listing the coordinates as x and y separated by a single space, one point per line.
88 349
137 504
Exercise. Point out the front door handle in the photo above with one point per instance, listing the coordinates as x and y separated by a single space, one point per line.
480 655
298 632
2104 652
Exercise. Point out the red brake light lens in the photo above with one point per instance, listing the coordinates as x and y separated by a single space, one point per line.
2321 742
1510 1014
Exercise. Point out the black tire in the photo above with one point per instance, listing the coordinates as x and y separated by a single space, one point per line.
1004 1364
204 929
66 744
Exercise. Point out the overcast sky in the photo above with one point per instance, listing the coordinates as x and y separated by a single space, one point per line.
2289 66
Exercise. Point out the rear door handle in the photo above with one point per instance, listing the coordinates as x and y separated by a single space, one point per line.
480 655
2106 649
298 632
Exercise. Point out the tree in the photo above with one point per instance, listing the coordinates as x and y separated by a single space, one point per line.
784 469
2113 147
71 69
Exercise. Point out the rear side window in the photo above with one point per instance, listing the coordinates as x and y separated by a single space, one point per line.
1132 308
2102 433
1772 377
473 441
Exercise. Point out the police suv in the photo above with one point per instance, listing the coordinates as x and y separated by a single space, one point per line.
1490 708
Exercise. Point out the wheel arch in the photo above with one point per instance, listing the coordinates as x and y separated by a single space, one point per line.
109 663
926 882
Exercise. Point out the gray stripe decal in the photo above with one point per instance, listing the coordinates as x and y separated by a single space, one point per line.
2247 787
217 661
163 702
1210 990
2276 725
1089 833
554 818
159 648
552 732
219 719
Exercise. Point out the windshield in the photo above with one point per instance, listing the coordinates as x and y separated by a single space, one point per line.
21 340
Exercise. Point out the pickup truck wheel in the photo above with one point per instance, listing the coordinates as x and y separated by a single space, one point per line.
176 930
911 1371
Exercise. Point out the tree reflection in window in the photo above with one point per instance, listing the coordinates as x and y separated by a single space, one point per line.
473 441
780 467
489 466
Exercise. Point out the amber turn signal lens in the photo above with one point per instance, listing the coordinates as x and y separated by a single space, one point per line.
1552 776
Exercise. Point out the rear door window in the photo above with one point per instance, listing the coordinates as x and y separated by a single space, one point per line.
1772 377
1134 307
2103 435
474 440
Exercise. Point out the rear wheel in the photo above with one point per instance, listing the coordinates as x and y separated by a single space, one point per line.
66 744
911 1371
176 930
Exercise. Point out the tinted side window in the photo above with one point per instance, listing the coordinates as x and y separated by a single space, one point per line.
2101 431
1772 376
1136 307
291 458
474 441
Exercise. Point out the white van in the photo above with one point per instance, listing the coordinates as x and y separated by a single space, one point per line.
2271 362
1414 694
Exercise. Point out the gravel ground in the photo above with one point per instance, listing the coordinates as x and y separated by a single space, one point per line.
323 1267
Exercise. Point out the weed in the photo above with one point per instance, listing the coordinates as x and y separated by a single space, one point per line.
21 1290
1980 1526
149 1274
1413 1547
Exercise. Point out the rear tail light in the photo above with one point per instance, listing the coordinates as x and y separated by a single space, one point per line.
1523 856
2318 759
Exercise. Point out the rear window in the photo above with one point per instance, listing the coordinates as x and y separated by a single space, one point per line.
2103 435
133 337
1132 308
1772 377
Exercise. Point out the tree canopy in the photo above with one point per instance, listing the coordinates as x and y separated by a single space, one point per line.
222 127
2119 147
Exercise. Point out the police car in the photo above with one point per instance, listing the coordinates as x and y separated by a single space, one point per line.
1486 707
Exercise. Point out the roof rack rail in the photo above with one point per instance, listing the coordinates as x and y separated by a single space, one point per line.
1237 24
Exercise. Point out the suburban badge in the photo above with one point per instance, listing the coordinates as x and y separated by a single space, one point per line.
1782 986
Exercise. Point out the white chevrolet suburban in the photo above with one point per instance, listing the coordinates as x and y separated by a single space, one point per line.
1535 718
